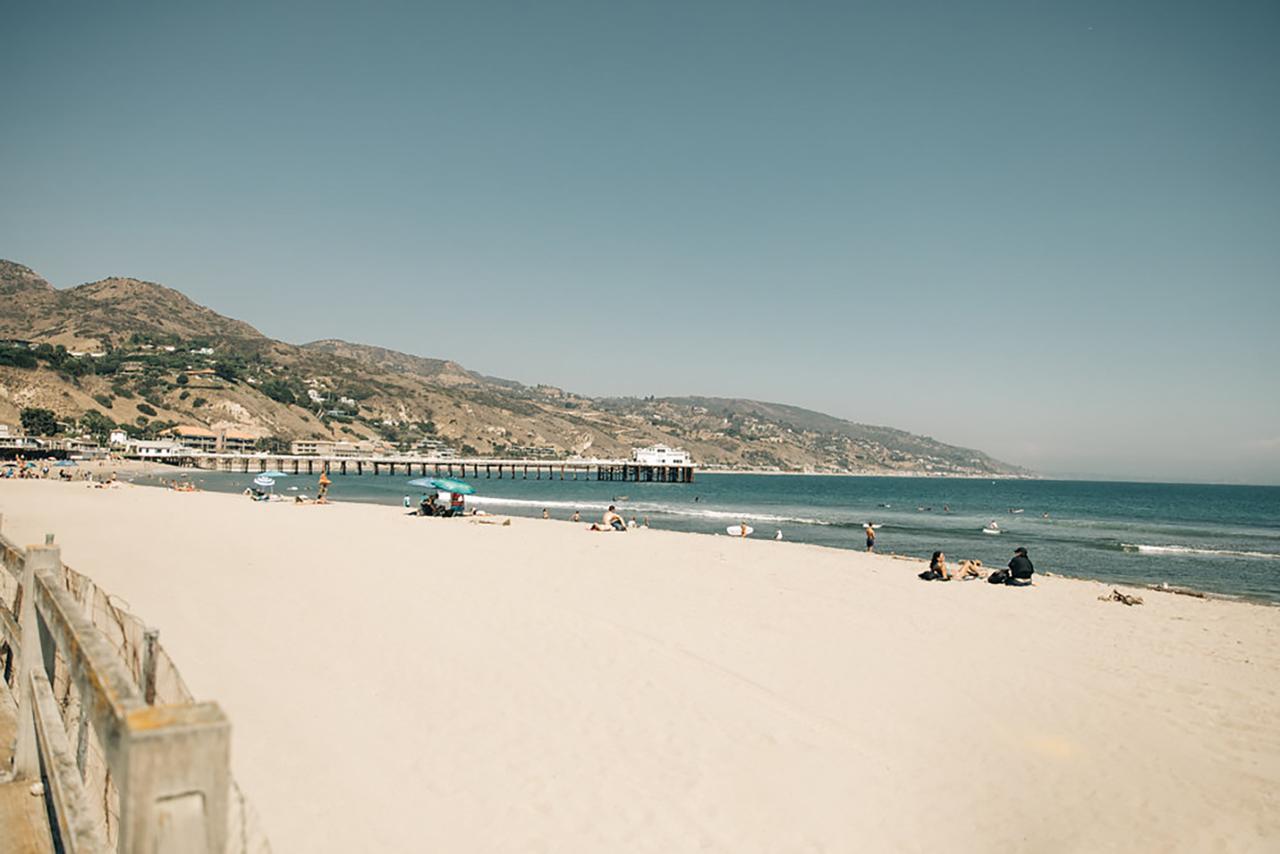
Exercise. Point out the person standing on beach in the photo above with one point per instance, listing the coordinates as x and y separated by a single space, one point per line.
577 517
871 536
546 514
323 487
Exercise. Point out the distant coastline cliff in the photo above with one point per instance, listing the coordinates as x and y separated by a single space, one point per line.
141 357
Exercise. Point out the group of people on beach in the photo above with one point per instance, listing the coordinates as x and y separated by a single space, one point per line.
430 506
1017 574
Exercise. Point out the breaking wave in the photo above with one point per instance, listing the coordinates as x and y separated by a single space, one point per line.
642 507
1142 548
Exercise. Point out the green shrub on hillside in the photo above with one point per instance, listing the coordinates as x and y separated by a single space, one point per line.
39 422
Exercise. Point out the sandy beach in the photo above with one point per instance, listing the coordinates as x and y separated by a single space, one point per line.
407 684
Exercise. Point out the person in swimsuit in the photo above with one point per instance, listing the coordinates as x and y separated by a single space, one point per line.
611 519
871 536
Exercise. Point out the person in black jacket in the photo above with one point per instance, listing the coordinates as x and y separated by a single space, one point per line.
1019 572
1020 568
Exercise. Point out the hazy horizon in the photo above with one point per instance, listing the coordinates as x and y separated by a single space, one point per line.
1048 234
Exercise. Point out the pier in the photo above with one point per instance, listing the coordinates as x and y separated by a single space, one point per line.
476 468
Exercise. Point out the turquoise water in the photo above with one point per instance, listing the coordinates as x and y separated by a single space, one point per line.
1224 539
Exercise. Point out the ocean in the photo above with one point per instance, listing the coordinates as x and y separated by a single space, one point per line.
1220 539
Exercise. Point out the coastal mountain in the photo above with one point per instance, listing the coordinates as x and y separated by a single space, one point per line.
145 357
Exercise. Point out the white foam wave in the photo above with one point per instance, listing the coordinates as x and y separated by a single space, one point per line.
640 507
1142 548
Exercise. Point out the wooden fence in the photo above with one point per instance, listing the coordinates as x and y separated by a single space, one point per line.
165 776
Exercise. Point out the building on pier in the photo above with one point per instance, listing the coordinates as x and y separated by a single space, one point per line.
661 455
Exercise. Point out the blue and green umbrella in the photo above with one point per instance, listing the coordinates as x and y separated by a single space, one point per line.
444 484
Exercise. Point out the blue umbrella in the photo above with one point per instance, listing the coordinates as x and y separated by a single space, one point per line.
65 463
445 484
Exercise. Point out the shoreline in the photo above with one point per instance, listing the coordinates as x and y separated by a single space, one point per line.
535 686
1259 599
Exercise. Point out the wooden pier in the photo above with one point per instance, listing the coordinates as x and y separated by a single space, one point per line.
623 470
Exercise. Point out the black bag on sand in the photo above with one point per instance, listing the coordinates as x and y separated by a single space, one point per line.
1000 576
930 575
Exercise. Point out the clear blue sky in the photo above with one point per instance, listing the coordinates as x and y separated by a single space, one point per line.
1048 231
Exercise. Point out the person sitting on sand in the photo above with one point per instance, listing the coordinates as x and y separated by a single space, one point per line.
1019 572
546 514
937 570
611 519
970 569
457 505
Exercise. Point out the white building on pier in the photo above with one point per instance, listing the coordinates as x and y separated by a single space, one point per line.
661 455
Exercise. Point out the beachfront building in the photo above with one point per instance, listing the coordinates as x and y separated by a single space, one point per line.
195 438
154 449
433 448
661 455
237 443
329 448
15 444
213 441
117 438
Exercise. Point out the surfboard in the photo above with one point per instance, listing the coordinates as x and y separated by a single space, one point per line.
736 530
991 531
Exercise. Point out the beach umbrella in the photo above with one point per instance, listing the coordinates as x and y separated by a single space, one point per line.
65 463
263 480
273 473
444 484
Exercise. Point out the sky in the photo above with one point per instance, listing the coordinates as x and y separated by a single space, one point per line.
1048 231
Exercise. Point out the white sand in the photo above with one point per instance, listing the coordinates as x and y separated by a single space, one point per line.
405 684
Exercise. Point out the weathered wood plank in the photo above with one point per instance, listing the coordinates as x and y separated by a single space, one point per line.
78 827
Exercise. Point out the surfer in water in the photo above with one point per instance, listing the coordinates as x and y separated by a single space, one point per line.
871 536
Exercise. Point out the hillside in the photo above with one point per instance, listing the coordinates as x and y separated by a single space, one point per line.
146 357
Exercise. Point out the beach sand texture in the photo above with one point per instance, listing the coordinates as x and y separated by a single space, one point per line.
406 684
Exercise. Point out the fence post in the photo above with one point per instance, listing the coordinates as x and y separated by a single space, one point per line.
149 639
26 755
175 787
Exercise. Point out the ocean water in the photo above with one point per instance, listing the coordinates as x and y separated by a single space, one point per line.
1222 539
